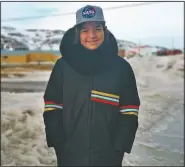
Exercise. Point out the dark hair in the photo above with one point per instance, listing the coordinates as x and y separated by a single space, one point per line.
79 27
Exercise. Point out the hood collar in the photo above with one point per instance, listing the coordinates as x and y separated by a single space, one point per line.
67 43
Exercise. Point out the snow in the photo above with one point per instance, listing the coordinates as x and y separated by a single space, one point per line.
159 140
34 39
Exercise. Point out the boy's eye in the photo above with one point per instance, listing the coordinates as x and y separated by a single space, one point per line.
99 29
84 30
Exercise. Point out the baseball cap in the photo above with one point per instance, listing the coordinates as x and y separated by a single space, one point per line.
89 13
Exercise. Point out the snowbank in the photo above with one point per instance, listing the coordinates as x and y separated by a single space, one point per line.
22 131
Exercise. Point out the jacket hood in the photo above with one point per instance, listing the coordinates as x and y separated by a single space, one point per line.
67 43
85 61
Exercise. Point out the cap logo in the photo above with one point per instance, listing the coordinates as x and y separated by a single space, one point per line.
88 12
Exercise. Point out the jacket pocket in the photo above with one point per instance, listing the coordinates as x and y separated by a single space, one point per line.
53 128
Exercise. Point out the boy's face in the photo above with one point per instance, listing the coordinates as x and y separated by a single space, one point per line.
91 35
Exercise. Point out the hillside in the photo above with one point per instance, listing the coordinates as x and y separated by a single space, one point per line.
38 39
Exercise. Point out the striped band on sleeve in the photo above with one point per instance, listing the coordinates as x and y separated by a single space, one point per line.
130 110
50 106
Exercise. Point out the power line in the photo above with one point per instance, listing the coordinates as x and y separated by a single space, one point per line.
71 13
131 5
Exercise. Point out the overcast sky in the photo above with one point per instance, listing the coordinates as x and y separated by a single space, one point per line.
156 24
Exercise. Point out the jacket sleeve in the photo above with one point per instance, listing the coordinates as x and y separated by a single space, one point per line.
128 111
53 106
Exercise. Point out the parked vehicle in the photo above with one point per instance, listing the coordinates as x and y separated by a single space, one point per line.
167 52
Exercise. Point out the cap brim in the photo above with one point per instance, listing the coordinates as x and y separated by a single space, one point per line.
88 21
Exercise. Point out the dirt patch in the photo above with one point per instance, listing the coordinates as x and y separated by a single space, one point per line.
5 75
9 75
19 75
19 71
26 68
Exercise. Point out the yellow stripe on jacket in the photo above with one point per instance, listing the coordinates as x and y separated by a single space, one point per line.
130 113
49 109
105 94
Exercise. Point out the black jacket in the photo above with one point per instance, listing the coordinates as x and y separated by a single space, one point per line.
91 119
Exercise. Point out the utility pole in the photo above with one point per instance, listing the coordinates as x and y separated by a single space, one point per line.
172 45
139 47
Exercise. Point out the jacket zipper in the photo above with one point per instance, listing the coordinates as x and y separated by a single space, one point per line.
90 119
